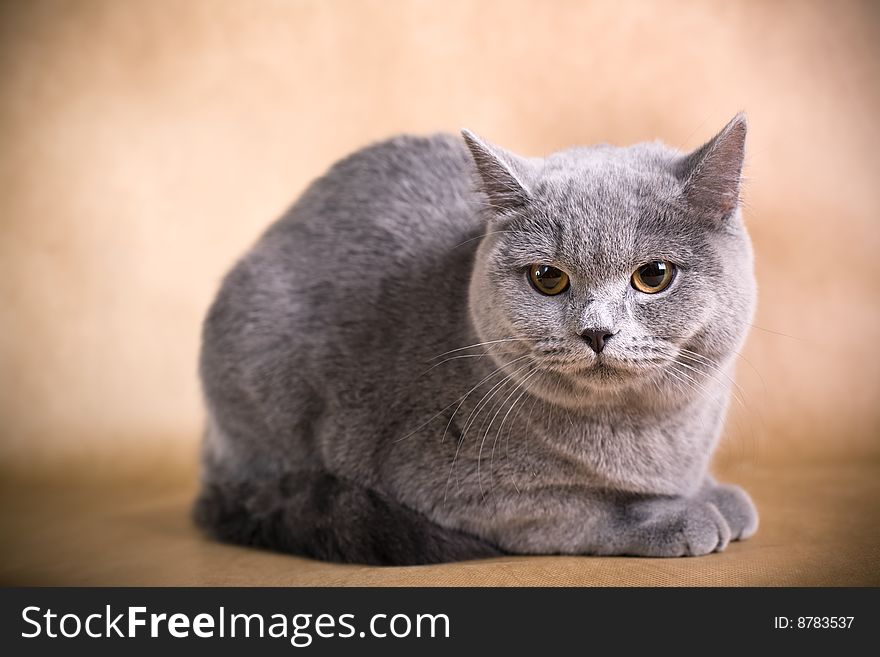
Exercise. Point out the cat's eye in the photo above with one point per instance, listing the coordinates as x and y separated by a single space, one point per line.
548 280
653 277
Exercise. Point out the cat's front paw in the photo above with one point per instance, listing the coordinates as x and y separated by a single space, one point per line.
737 508
676 528
704 530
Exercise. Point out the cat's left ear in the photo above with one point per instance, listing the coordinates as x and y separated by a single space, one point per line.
712 174
501 174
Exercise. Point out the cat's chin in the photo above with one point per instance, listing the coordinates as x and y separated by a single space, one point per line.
610 369
600 375
611 376
588 387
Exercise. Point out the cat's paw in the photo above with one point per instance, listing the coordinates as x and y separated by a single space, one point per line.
737 508
704 529
676 528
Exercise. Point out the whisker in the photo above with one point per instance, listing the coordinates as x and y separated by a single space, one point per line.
712 366
460 399
690 382
749 429
469 422
484 401
504 419
703 360
709 375
480 344
676 379
482 235
510 427
694 384
704 393
446 360
467 394
680 377
528 428
739 395
779 333
755 370
489 428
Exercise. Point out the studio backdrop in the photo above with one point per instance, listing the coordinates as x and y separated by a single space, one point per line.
145 145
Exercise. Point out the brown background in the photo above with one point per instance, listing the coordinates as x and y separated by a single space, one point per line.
144 145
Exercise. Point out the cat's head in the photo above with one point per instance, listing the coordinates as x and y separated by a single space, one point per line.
608 269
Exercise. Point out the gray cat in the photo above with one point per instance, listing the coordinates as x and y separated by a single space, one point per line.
445 351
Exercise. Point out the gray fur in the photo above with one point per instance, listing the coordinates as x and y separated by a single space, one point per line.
385 386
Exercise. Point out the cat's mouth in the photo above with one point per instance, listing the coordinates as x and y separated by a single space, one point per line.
600 366
607 367
610 368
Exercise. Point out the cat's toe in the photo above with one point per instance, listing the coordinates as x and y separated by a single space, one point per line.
705 530
737 508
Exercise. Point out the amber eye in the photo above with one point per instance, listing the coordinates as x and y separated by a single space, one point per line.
653 277
548 280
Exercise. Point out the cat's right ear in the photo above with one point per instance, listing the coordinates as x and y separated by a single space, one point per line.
501 174
712 174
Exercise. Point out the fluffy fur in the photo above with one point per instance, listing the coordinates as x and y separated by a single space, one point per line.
385 386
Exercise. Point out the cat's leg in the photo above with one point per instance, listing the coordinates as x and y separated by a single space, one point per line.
674 526
661 527
665 526
735 505
616 524
322 516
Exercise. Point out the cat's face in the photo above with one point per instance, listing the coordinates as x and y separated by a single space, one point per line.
608 269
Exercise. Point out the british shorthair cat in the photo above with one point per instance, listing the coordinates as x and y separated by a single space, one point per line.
446 351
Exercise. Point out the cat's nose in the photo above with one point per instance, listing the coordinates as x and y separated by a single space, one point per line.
596 337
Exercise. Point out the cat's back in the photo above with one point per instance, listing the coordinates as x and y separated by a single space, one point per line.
364 245
401 192
371 228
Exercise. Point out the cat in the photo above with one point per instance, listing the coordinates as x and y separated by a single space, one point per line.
446 351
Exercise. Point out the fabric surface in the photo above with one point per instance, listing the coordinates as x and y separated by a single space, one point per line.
818 528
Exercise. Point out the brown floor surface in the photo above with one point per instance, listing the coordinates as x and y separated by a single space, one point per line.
819 526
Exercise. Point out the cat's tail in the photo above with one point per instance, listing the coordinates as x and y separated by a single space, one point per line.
324 517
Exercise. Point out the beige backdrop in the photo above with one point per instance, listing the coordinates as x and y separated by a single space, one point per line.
144 145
